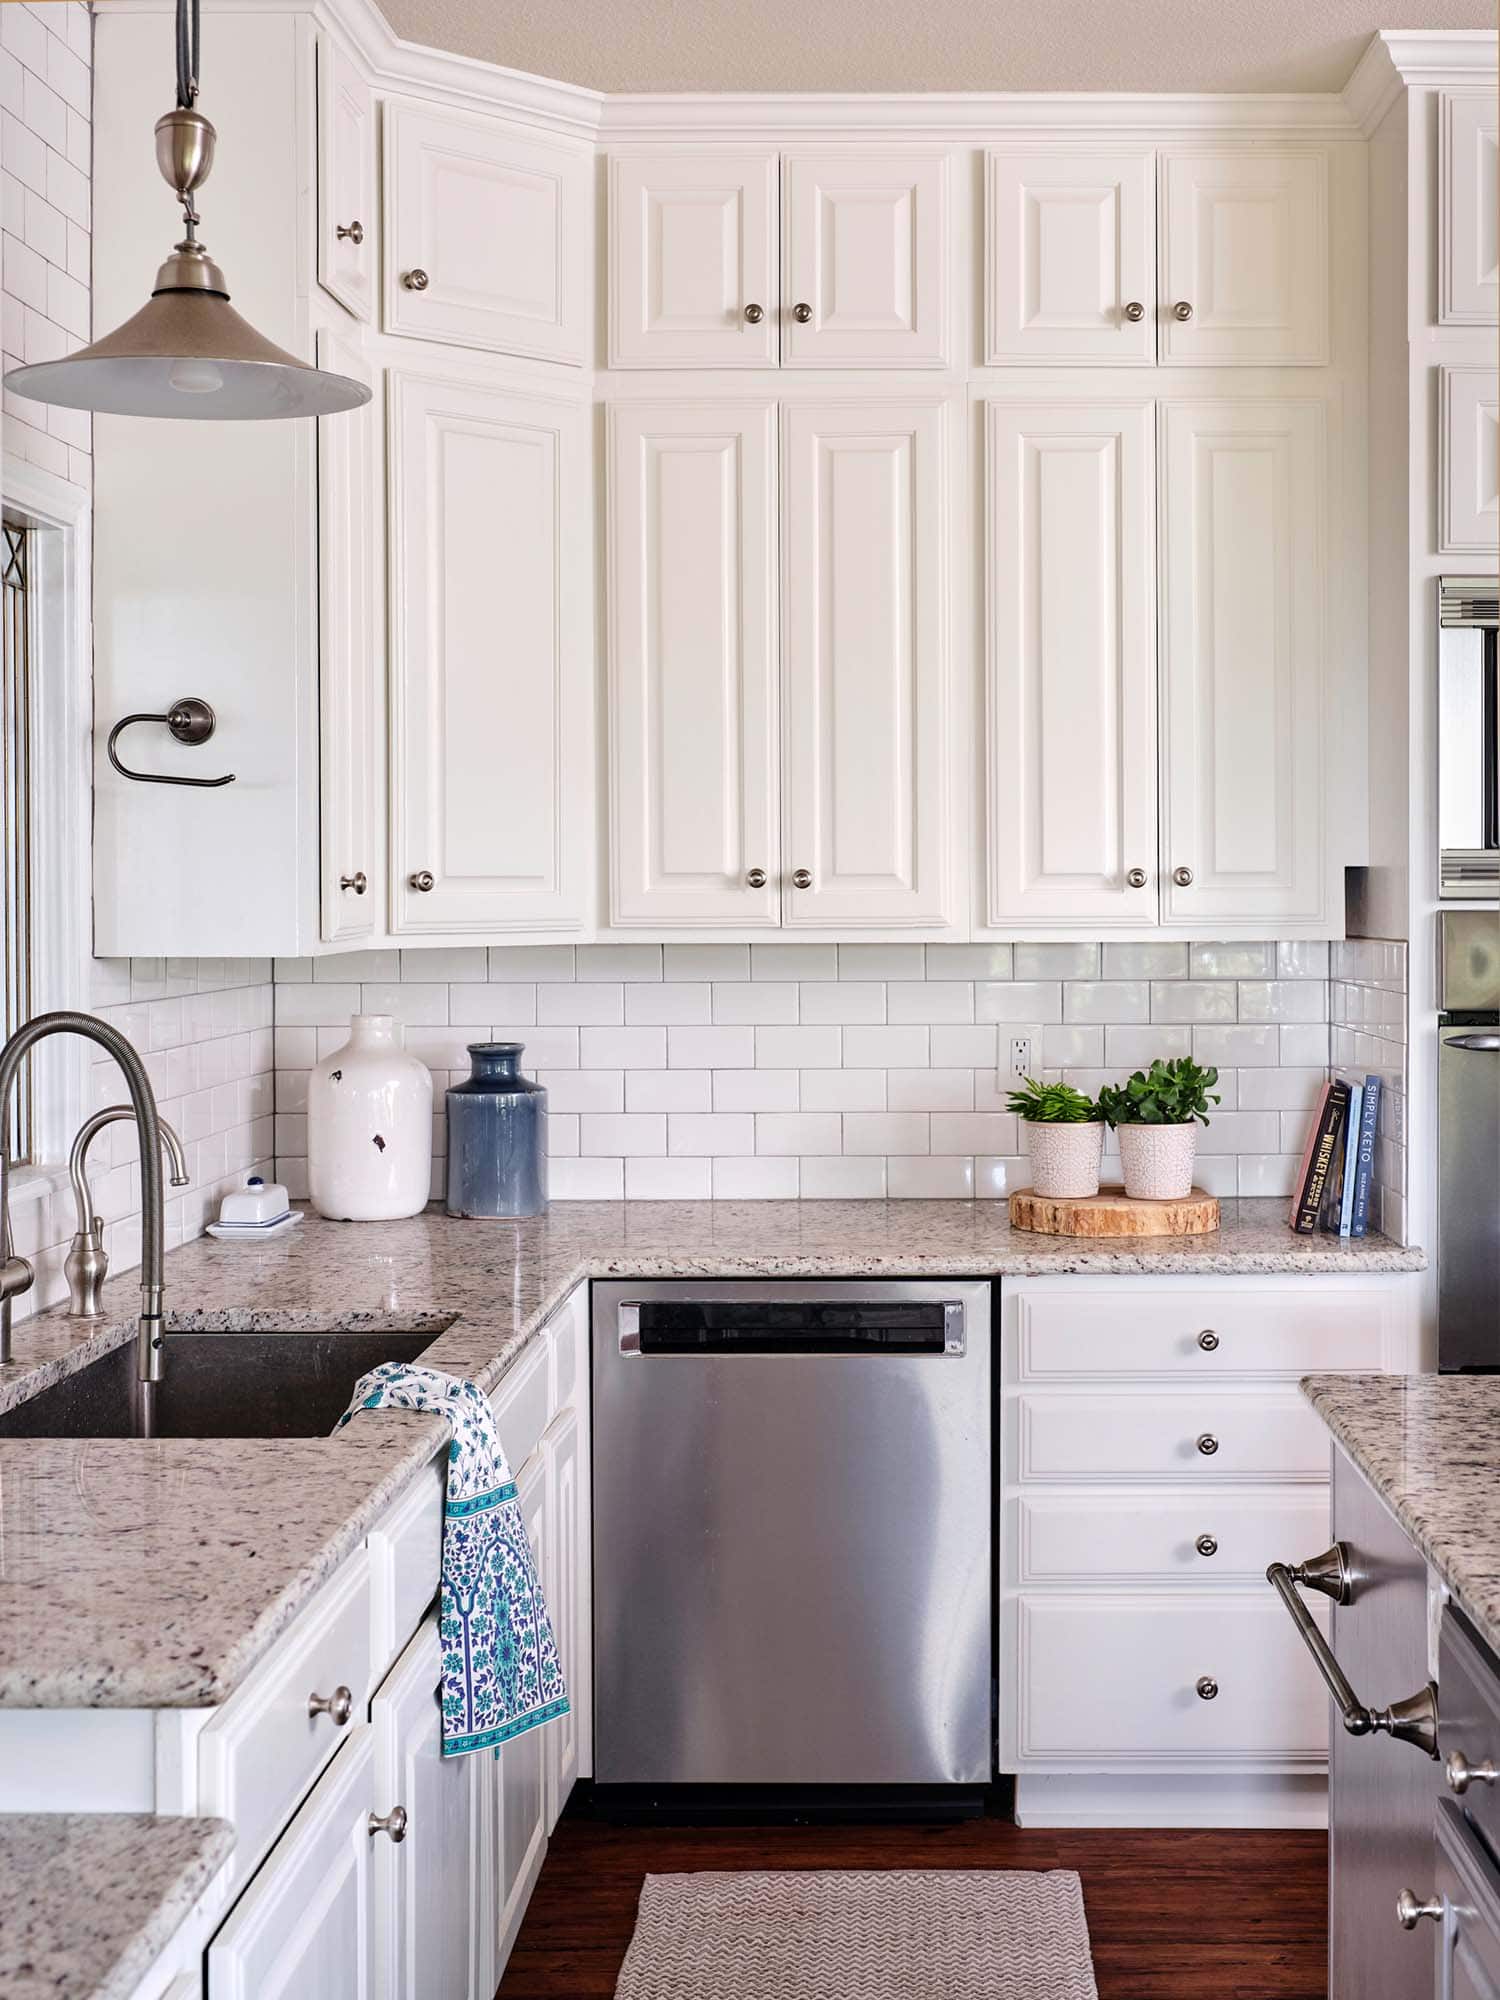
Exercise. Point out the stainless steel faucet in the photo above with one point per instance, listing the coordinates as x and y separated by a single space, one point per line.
87 1262
16 1275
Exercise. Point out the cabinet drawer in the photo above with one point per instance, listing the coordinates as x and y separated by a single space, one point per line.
1220 1438
1206 1335
406 1551
1120 1678
263 1749
1063 1540
520 1402
1470 1720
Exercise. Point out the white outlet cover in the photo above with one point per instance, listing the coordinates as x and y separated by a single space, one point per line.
1011 1077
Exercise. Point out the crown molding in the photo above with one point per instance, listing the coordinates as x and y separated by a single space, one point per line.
1399 59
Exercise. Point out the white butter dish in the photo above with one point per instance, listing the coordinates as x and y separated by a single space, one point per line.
258 1203
255 1232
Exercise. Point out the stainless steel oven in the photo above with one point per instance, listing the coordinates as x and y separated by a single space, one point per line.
1468 744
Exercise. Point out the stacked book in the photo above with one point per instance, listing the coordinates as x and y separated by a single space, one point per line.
1332 1190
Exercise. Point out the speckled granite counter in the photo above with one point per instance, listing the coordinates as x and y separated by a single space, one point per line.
1430 1446
153 1575
91 1899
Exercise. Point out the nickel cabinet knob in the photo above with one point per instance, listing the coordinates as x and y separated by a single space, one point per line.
358 882
1206 1545
354 234
756 877
755 314
1182 310
1208 1340
801 314
393 1823
801 878
1460 1773
1208 1444
424 879
1134 311
1207 1686
1410 1911
415 280
1136 878
338 1706
1183 877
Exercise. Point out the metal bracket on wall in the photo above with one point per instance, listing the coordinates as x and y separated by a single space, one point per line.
190 720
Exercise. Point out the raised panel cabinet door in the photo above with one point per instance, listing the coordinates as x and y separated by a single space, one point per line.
1070 723
692 260
303 1930
1468 193
487 236
348 225
491 701
1070 255
1244 629
1469 461
567 1585
866 515
865 260
351 655
520 1770
432 1893
1244 257
692 664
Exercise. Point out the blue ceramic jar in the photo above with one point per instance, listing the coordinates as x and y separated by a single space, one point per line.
497 1136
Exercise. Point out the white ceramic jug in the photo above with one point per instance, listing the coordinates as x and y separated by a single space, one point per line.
369 1127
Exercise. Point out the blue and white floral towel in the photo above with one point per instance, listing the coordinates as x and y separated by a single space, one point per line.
501 1674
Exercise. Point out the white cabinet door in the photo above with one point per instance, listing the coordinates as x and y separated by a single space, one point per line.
567 1585
1070 255
351 655
865 260
1071 686
866 528
692 260
491 697
1244 624
692 661
1468 461
348 235
1244 265
487 238
520 1771
303 1929
432 1892
1468 224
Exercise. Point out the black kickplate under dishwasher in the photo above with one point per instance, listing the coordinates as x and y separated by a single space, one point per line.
792 1805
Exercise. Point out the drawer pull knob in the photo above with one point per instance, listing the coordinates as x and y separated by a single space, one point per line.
1207 1687
1135 878
1410 1912
339 1705
755 314
358 882
415 280
355 233
423 880
801 878
1206 1545
1183 877
1182 310
1208 1444
393 1823
1135 311
756 878
1208 1340
802 314
1460 1773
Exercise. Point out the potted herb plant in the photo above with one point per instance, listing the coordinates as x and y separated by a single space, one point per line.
1156 1113
1063 1135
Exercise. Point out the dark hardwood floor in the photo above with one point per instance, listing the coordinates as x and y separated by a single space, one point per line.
1172 1915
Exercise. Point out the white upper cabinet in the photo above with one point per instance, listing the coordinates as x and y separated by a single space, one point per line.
1468 190
348 231
1245 637
486 234
491 696
692 249
866 532
692 653
1071 681
1244 257
1468 461
1070 255
865 259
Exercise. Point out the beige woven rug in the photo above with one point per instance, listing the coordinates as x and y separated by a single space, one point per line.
860 1935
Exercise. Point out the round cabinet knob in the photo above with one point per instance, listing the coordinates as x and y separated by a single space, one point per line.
424 879
802 314
393 1823
1410 1912
1206 1545
1207 1686
354 234
801 878
415 281
755 314
358 882
1208 1340
1134 311
339 1705
1136 878
1182 310
1460 1773
756 877
1208 1444
1183 877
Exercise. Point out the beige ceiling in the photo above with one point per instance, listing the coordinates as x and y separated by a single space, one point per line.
924 44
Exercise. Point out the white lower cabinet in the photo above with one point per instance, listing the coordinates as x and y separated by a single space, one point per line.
520 1771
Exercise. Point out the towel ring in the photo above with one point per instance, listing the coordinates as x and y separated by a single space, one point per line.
190 720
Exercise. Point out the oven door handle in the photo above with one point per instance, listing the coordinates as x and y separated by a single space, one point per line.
1485 1043
1414 1720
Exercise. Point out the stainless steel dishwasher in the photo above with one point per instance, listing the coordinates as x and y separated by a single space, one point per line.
793 1554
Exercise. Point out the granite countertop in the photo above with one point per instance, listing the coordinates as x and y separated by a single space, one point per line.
154 1574
1430 1446
91 1899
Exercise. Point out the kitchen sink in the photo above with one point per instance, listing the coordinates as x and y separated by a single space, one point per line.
215 1385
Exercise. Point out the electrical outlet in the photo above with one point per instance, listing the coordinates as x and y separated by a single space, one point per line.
1020 1053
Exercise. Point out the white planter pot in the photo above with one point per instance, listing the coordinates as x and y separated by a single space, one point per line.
1065 1159
369 1127
1158 1160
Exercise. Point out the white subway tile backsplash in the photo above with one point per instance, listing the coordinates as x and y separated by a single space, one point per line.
631 1048
963 1048
806 962
1231 961
580 1006
674 1004
711 1133
1280 1089
706 961
1137 1048
843 1002
837 1177
1236 1048
969 961
972 1132
586 1180
708 1048
1073 1048
622 1133
929 1089
796 1133
1024 1000
919 1179
467 965
755 1002
801 1048
1056 961
759 1179
1283 1000
1145 961
1111 1000
881 961
887 1132
756 1089
668 1180
583 1089
529 961
843 1089
885 1048
950 1002
612 962
1301 1045
670 1089
1193 1000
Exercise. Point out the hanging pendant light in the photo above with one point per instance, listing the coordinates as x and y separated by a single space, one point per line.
187 352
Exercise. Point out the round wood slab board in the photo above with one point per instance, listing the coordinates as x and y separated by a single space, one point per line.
1113 1213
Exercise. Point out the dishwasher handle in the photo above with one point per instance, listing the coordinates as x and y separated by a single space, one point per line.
1413 1720
942 1332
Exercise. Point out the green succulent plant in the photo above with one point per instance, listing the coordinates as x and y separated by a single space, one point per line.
1051 1104
1169 1093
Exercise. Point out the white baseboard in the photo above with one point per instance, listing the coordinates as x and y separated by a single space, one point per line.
1225 1801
